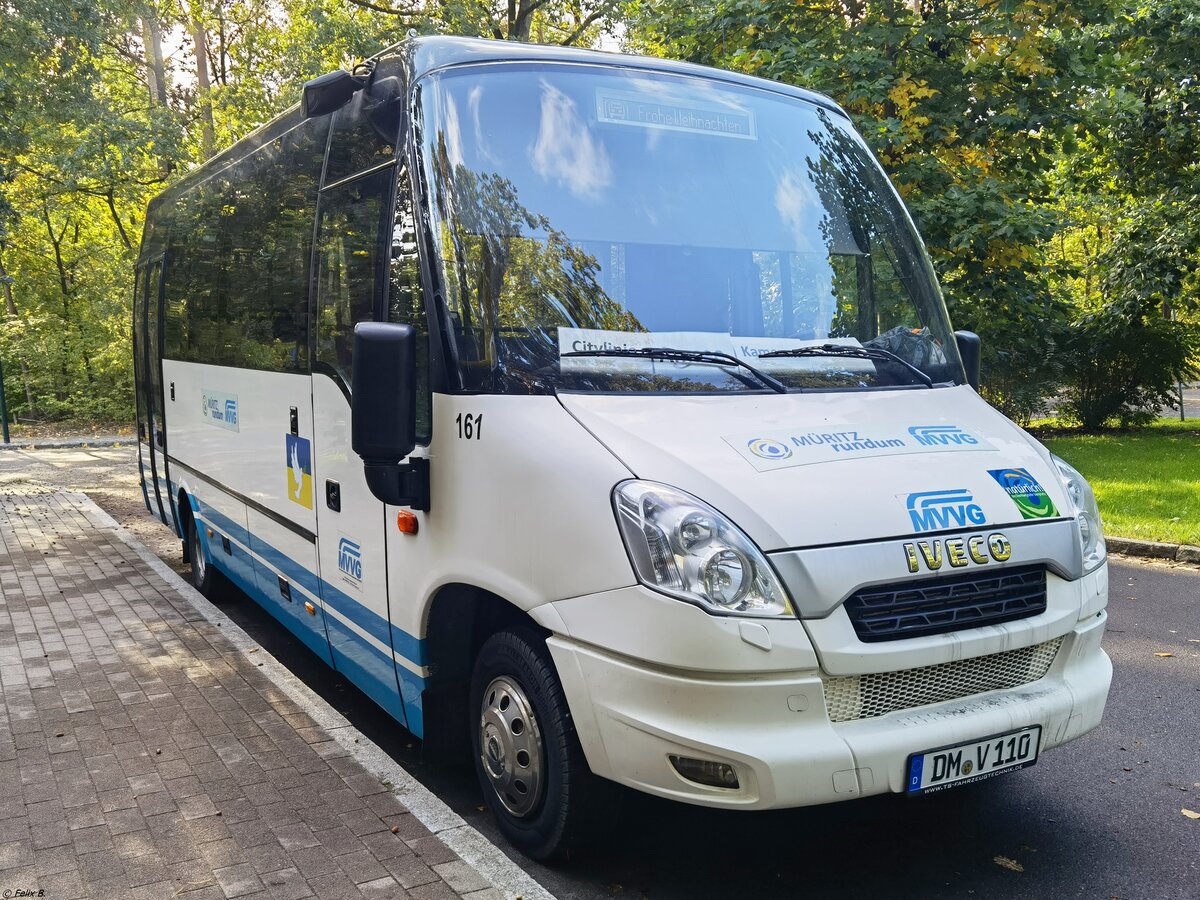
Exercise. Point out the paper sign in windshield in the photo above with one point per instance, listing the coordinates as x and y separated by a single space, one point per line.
645 111
783 449
748 349
597 340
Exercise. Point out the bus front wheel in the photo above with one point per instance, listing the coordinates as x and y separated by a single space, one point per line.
527 756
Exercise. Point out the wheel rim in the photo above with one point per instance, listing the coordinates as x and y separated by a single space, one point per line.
510 746
199 564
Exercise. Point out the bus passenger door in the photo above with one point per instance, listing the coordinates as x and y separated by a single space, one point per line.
152 435
351 549
139 387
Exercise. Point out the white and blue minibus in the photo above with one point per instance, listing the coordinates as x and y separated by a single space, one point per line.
601 416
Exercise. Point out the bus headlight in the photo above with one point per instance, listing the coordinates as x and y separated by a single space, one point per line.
1087 515
681 546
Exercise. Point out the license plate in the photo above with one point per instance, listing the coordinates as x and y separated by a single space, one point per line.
936 770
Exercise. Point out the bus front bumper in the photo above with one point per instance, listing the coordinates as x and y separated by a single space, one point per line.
775 732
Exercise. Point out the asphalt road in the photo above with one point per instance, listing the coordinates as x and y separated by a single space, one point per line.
1191 404
1100 817
1096 818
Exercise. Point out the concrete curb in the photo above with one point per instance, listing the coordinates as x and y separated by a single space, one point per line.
69 443
1184 553
472 847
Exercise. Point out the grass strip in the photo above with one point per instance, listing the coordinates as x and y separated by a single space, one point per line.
1147 482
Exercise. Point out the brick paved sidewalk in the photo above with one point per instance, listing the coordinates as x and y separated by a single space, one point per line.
143 755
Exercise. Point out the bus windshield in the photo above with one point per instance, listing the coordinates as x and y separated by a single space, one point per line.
587 219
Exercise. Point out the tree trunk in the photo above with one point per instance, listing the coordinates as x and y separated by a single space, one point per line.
64 285
112 208
208 139
64 278
520 18
223 52
582 22
156 73
10 307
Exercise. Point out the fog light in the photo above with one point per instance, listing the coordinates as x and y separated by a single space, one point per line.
706 772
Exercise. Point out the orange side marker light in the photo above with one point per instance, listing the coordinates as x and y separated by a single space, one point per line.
407 522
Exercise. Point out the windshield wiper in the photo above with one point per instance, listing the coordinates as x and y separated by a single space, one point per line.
872 353
711 357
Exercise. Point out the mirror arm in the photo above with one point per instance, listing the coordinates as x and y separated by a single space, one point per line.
399 484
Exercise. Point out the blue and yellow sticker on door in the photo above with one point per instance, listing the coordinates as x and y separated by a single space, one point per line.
299 471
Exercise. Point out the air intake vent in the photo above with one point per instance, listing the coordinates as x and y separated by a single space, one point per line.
868 696
905 609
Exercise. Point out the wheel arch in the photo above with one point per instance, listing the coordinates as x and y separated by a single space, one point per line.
183 503
460 618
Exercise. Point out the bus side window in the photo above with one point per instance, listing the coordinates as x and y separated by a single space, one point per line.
406 304
350 265
360 140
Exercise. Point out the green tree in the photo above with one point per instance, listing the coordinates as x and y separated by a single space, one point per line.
70 163
968 104
1131 251
564 22
97 118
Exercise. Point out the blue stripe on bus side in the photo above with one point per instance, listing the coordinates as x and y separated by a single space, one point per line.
412 687
401 641
301 625
368 667
407 645
363 674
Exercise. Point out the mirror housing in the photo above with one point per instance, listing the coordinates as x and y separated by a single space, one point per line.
969 351
328 93
384 413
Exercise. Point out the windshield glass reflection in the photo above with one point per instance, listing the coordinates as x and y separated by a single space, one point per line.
590 210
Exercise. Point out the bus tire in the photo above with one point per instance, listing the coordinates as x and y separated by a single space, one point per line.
205 577
527 755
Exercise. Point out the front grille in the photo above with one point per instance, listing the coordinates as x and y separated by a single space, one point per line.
906 609
867 696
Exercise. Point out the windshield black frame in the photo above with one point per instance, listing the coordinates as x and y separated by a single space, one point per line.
477 373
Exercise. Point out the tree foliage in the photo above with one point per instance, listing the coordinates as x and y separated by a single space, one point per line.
1015 130
1047 149
103 103
1137 187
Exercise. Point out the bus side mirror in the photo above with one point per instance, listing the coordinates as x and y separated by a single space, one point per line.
328 93
384 413
968 351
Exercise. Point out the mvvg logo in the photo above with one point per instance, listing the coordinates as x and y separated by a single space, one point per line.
350 559
941 435
938 510
220 409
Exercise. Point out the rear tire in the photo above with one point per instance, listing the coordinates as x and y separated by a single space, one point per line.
205 577
527 755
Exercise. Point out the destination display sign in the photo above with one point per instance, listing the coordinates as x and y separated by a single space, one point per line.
654 111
